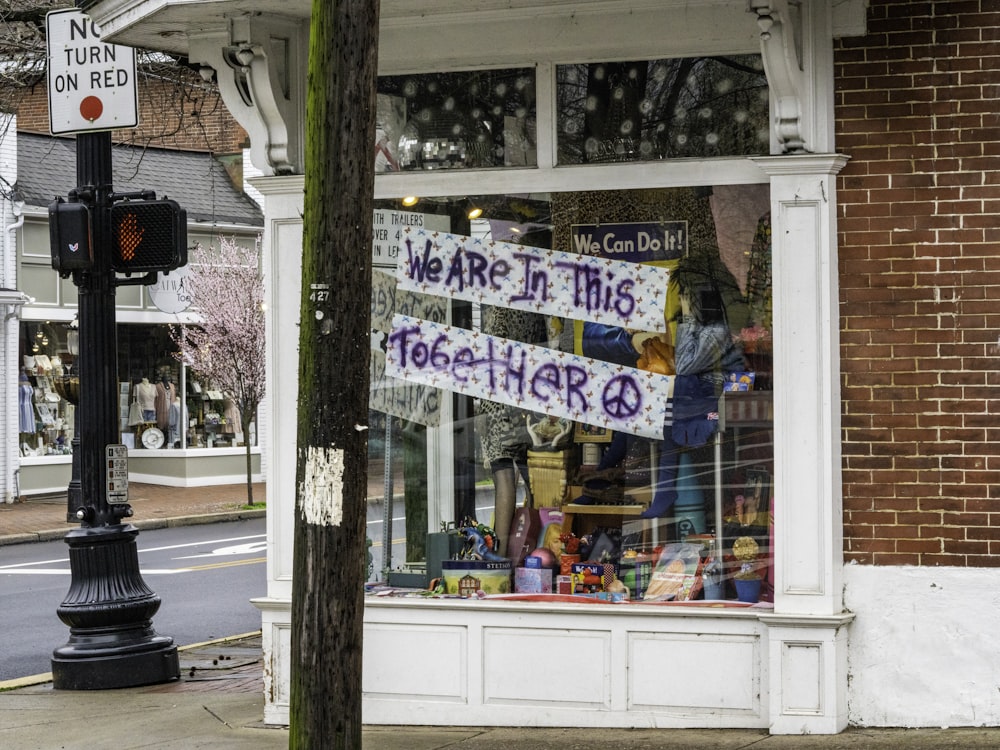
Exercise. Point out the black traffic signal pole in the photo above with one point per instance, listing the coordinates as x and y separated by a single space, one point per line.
109 608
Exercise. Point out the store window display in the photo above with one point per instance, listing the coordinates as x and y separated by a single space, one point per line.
646 110
154 413
45 417
145 396
503 429
674 499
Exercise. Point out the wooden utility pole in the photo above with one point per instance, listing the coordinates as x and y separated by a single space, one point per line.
331 477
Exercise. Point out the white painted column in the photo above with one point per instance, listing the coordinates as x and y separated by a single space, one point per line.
282 251
807 635
11 323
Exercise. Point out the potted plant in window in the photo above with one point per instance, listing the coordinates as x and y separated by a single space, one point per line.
748 579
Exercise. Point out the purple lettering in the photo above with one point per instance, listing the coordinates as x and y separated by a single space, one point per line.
456 271
515 370
423 267
534 281
546 378
477 270
625 304
576 381
439 359
463 360
401 337
500 270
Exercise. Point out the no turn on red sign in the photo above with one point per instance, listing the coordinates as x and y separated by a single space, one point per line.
92 85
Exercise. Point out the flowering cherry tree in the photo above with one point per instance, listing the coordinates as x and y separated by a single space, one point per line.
226 348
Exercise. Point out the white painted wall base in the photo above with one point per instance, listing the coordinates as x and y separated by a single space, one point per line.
504 663
912 630
930 634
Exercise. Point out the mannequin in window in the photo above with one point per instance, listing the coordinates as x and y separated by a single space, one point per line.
502 429
704 354
146 394
165 394
26 411
232 416
176 417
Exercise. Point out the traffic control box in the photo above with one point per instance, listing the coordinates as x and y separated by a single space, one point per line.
69 237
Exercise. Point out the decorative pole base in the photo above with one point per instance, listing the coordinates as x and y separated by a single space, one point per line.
109 610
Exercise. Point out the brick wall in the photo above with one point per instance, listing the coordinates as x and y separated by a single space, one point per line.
919 235
190 116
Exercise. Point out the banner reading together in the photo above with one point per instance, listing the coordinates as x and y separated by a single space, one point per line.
530 377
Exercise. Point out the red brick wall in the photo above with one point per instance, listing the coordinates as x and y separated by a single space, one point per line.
919 235
190 116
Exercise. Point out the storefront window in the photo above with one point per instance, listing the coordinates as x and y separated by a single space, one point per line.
609 408
662 109
474 119
45 414
161 404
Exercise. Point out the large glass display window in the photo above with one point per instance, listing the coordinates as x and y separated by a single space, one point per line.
162 404
572 395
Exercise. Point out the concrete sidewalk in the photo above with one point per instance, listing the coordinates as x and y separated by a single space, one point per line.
218 701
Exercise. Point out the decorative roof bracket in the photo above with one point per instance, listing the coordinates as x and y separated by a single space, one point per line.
780 23
255 65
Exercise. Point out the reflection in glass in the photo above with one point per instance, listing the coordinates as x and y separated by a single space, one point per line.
662 109
474 119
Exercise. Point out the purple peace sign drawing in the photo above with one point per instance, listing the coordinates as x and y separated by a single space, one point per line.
621 398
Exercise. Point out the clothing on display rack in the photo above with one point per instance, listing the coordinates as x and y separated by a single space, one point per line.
146 394
26 409
165 394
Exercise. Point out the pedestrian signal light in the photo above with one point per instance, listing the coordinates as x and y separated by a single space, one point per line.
147 236
69 236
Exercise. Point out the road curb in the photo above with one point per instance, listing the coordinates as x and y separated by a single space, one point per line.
48 535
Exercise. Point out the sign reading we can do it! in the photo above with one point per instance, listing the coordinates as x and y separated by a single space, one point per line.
92 85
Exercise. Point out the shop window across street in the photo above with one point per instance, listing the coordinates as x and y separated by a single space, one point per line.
161 403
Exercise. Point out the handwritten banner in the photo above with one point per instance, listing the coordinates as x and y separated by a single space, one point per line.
567 285
414 402
387 301
530 377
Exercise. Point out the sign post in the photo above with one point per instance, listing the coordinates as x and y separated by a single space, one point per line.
108 608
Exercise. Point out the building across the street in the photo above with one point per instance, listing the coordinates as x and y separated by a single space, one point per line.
183 437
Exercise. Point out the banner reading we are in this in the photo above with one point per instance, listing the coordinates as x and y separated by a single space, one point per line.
566 285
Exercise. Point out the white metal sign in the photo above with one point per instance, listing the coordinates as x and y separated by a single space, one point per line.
117 474
92 85
387 232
